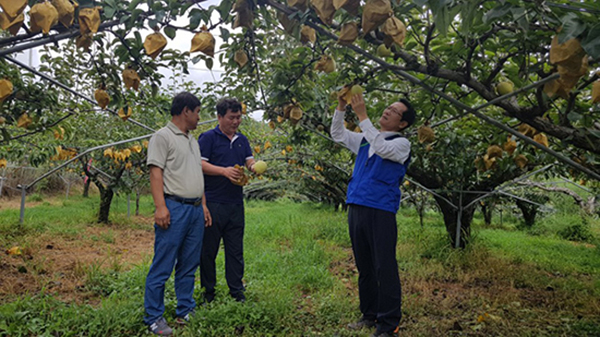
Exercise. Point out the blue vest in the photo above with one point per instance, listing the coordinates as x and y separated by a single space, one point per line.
376 181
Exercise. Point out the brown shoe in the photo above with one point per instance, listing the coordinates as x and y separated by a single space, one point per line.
362 323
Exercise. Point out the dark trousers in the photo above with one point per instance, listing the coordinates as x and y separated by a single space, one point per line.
228 224
374 236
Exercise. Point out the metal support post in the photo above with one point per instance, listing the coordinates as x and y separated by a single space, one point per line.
1 185
23 194
458 222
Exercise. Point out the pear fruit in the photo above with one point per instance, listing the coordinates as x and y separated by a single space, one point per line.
504 88
260 167
383 51
356 89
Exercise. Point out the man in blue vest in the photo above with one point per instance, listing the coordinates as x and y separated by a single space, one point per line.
222 148
373 199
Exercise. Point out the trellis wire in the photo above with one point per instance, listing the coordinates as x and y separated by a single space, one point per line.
395 69
64 87
23 188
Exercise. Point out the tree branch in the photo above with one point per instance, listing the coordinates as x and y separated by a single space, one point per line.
578 199
5 141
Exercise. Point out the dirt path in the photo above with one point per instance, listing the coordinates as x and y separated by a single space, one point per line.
15 203
61 265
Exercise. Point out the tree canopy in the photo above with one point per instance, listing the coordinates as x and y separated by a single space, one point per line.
501 87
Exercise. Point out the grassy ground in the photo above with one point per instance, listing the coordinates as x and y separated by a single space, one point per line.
81 278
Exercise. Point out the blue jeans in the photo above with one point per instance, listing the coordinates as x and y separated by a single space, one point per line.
177 246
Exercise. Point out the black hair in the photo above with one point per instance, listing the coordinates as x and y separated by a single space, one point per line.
184 100
409 115
226 104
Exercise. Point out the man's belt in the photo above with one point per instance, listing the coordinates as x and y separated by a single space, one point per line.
188 201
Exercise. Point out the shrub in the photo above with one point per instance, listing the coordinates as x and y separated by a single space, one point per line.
35 197
577 232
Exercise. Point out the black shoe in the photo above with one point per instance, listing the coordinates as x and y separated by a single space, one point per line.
239 298
384 334
362 323
208 297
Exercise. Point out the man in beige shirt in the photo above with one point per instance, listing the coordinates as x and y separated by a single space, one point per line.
177 186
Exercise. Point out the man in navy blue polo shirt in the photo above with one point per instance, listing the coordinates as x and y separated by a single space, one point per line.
222 148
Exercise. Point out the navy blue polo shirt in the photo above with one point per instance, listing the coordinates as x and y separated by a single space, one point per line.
219 150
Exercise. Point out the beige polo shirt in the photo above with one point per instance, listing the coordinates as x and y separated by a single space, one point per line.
178 154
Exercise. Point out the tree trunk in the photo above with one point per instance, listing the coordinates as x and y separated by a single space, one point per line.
451 221
421 210
529 212
106 196
137 202
487 209
86 187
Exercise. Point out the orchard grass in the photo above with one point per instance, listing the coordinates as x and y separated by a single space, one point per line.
301 279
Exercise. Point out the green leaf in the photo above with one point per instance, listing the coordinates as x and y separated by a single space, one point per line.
109 12
196 59
133 4
224 34
574 116
152 23
160 15
441 15
571 28
86 3
596 133
224 8
170 32
497 12
195 17
209 63
591 43
467 14
409 46
135 14
138 37
520 16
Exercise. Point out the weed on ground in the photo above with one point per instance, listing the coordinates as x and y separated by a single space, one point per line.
80 278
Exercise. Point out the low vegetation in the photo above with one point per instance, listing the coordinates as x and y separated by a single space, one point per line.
300 275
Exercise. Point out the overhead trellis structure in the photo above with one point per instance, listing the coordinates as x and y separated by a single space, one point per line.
70 90
25 187
472 110
468 68
483 194
24 44
31 40
461 200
